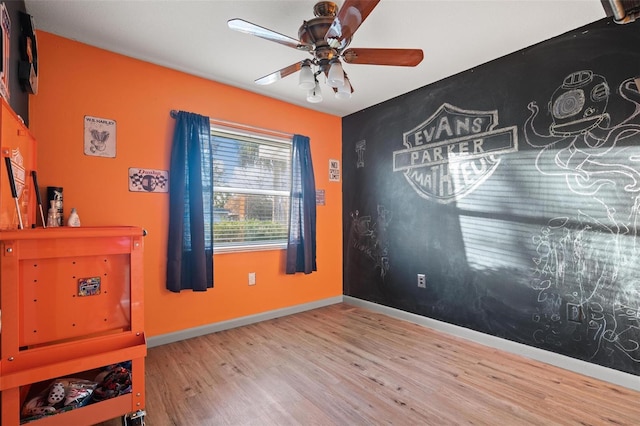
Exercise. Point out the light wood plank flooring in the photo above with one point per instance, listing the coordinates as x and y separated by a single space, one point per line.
342 365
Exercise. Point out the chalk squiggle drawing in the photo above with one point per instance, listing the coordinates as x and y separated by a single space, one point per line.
371 238
571 268
360 148
586 262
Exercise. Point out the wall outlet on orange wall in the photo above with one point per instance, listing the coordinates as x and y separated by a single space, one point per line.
252 278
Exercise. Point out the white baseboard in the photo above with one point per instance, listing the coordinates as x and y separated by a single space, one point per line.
189 333
581 367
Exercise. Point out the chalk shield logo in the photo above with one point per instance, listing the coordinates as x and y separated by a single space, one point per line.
453 152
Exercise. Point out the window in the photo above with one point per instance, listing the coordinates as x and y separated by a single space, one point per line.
251 184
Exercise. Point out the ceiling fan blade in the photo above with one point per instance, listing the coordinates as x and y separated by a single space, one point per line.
397 57
280 74
350 16
248 28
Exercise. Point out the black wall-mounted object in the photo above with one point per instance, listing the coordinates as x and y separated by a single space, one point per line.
514 188
19 99
28 64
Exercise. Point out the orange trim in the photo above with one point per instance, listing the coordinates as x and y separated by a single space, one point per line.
28 371
66 232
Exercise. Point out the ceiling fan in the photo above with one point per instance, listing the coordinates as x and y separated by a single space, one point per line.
326 37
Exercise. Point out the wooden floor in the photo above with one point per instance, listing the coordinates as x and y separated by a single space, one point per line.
342 365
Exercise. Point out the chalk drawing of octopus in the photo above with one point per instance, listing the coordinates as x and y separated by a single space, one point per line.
581 135
591 262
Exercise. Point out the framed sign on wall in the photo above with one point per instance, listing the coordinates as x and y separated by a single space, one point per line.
99 137
148 180
5 28
28 66
334 171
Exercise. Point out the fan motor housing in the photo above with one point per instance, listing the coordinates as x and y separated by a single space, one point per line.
314 30
325 8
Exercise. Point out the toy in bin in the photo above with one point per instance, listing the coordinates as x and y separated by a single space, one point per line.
70 393
61 395
114 381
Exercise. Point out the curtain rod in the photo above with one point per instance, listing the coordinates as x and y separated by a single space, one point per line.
174 114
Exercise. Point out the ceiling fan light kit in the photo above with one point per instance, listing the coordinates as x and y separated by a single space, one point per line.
326 38
307 80
335 78
344 91
315 95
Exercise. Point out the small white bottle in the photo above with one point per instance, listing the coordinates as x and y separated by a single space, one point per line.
74 219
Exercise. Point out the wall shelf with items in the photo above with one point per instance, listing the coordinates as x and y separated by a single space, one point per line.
72 303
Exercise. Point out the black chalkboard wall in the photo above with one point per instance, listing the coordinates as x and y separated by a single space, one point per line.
515 188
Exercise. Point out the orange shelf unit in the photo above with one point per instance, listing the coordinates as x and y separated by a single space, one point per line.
72 302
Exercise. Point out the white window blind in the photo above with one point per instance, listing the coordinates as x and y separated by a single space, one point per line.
251 182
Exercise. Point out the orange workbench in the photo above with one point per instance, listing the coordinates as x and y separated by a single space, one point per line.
72 302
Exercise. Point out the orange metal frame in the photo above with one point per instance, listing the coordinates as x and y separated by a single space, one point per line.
39 274
16 141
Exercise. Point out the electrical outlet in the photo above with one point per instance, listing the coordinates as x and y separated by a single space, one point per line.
422 281
252 278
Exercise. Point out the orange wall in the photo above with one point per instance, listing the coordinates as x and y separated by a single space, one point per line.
77 80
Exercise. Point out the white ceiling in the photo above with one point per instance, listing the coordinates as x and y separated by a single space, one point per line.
192 36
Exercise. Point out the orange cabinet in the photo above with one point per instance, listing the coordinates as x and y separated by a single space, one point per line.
19 146
71 301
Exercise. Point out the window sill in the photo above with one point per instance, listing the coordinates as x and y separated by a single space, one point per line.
248 248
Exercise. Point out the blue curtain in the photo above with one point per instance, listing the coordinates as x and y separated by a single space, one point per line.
190 245
301 246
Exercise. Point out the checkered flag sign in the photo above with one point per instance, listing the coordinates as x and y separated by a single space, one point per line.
148 180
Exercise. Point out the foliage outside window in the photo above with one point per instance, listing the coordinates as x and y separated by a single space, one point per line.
251 181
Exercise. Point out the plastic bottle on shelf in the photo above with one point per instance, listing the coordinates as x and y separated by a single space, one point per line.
52 215
74 219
